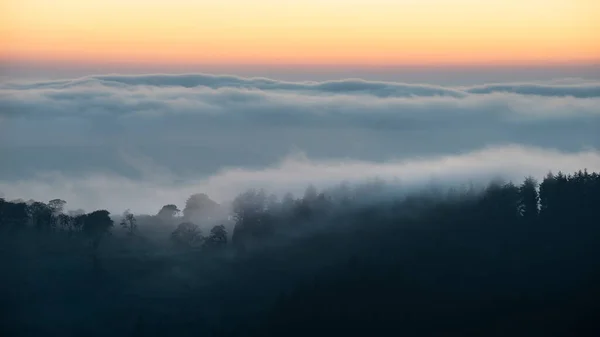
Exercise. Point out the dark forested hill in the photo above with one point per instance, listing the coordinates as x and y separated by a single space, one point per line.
506 260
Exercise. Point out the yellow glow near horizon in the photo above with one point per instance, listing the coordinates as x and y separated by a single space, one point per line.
301 31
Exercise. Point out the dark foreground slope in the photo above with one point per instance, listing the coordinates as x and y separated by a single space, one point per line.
452 283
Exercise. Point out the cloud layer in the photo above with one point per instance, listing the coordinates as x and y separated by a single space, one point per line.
230 100
112 130
563 87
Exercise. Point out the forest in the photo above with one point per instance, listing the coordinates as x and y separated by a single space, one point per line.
504 259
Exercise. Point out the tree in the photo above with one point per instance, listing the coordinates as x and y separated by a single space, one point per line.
199 205
306 207
3 204
77 222
168 212
56 206
547 196
187 235
499 204
15 215
249 206
96 225
217 237
252 220
129 223
65 222
41 216
529 200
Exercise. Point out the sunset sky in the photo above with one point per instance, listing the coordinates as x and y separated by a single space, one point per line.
367 32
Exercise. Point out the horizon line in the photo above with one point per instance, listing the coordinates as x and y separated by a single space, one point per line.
141 63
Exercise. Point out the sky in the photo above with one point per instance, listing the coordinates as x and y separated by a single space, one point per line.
308 32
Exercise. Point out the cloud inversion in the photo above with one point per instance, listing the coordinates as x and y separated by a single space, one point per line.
200 126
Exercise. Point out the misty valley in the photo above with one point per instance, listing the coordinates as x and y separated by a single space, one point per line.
360 259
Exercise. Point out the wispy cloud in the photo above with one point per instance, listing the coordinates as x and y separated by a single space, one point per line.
117 193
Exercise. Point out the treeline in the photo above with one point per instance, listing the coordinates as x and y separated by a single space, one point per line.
557 201
22 217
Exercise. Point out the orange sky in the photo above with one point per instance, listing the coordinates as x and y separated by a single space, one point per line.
378 32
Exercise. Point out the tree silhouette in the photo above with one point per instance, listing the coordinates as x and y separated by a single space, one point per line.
252 219
529 201
187 235
199 205
41 216
57 206
65 223
78 222
15 215
217 237
129 223
96 226
3 207
168 212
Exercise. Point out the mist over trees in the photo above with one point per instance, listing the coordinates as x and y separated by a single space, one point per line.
504 260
